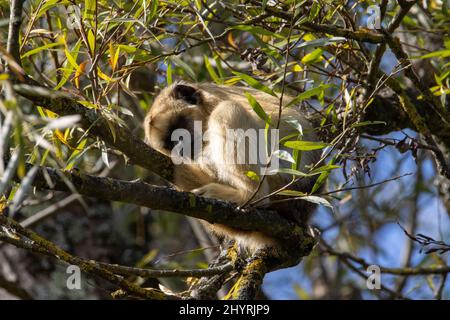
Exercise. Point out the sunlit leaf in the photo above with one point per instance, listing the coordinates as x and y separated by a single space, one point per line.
284 155
312 57
257 108
317 200
42 48
254 83
305 145
252 175
308 94
211 71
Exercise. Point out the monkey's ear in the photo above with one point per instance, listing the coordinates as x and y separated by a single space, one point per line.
186 93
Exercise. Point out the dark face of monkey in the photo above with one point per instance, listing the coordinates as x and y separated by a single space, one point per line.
176 107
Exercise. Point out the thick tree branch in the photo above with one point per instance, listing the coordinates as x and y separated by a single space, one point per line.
152 273
186 203
35 243
359 35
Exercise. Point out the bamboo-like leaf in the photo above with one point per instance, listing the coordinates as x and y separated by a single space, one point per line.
169 74
284 155
308 94
252 175
312 57
440 53
317 200
184 66
320 42
153 9
42 48
91 42
305 145
104 76
211 71
291 193
89 11
70 63
254 83
79 150
289 171
295 123
257 108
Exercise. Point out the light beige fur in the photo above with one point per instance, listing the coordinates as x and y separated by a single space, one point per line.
220 108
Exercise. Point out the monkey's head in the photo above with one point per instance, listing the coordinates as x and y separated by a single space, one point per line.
176 107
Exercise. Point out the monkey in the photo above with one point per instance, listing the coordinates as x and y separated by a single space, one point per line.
217 109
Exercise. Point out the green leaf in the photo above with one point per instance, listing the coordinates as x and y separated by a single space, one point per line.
211 71
291 193
219 67
76 154
183 65
69 64
440 53
326 170
312 57
305 145
89 10
289 171
289 137
317 91
72 60
51 4
320 181
317 200
153 9
169 74
284 155
295 123
127 48
320 42
257 108
254 83
39 49
314 11
252 175
91 41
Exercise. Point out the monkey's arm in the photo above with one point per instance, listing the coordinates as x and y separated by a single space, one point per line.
231 183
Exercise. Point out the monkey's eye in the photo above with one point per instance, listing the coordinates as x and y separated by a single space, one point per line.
186 93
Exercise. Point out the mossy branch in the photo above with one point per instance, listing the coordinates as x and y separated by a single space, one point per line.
29 240
169 199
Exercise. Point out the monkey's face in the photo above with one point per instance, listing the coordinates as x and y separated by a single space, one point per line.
176 107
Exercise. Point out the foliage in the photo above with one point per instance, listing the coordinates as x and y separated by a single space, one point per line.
113 56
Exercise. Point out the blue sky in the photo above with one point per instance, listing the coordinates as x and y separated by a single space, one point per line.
390 239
